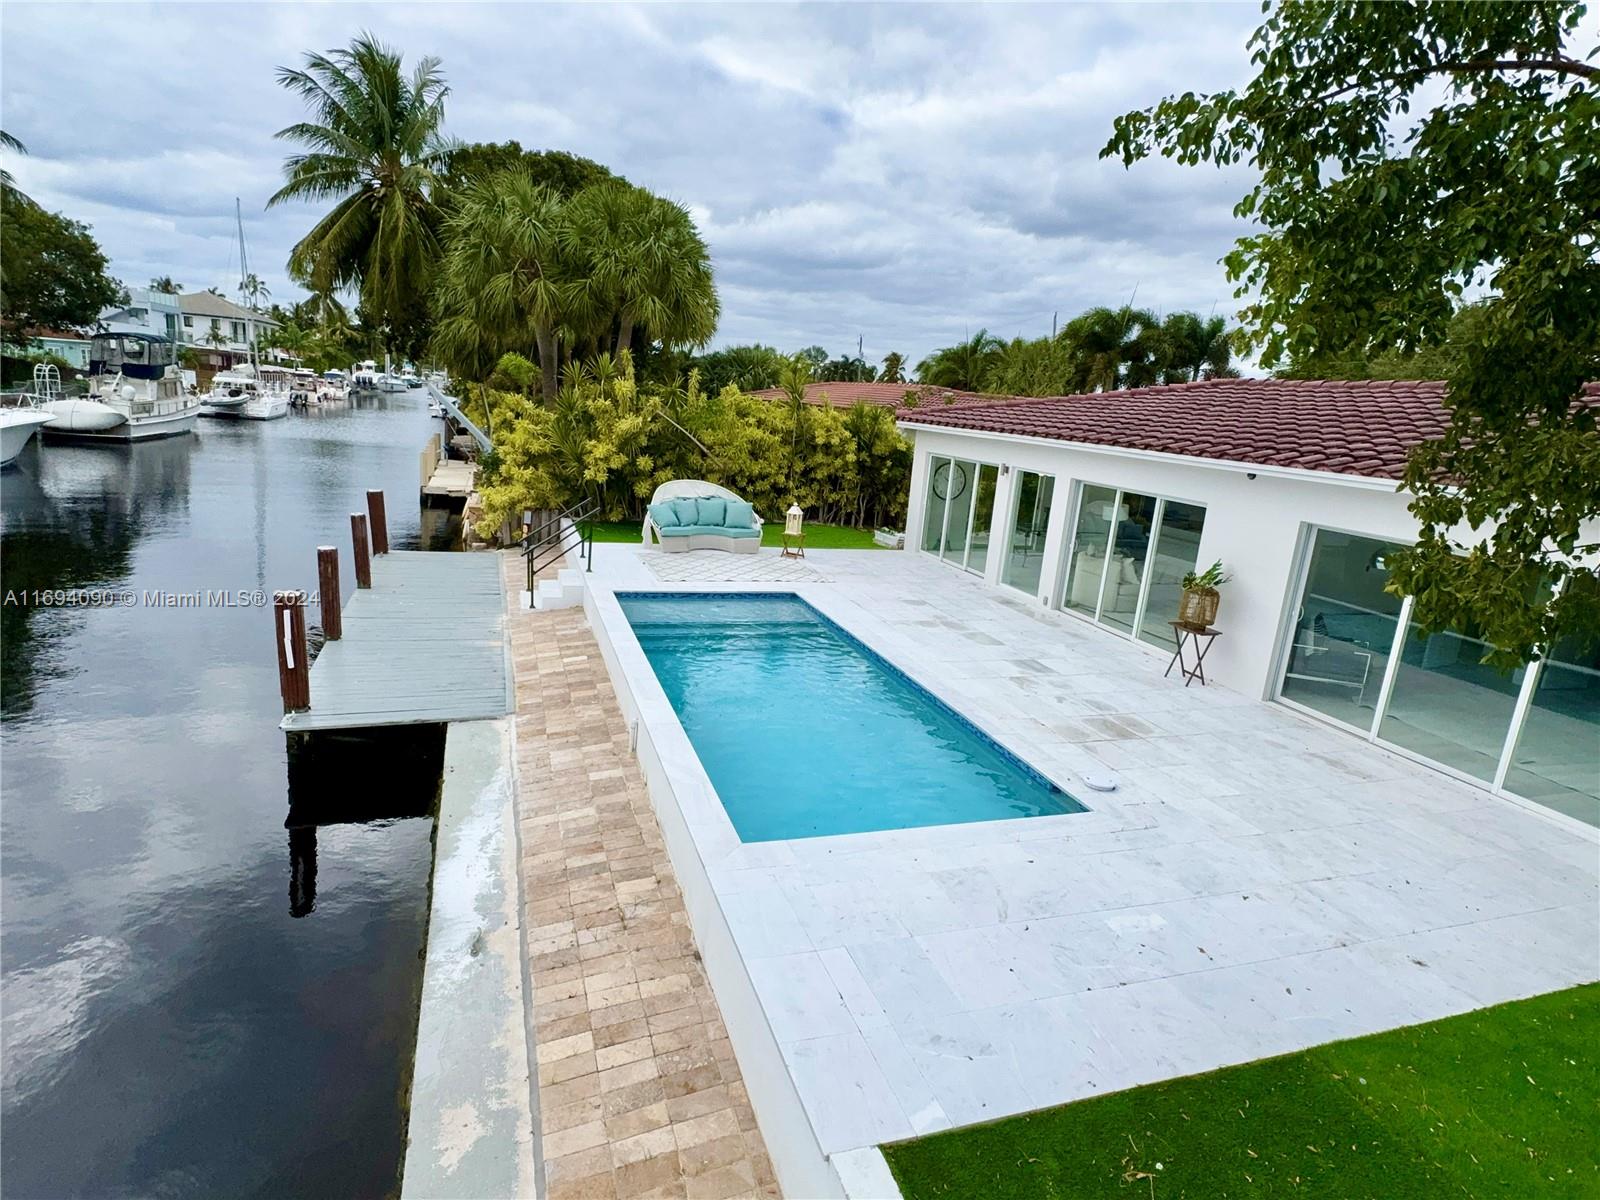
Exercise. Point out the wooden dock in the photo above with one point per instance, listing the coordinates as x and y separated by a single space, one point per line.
426 643
450 478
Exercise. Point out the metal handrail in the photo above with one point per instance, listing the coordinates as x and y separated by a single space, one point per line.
541 548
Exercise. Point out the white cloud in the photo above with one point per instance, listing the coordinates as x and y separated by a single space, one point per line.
905 173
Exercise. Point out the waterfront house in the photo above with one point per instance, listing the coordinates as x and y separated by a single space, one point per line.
70 346
220 331
145 311
1097 505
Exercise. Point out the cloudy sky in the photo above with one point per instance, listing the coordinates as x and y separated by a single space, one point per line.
902 173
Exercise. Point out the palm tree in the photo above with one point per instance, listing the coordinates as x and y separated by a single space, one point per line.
508 278
254 290
894 368
164 283
965 365
647 266
1113 348
8 142
1193 348
374 144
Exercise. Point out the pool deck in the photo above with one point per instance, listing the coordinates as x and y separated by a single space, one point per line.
639 1091
1258 883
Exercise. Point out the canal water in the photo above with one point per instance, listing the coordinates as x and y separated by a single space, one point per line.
197 1000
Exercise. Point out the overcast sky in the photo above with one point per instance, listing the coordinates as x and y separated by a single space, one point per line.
904 173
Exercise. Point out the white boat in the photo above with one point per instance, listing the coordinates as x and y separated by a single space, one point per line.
135 392
364 376
435 409
410 380
17 427
248 391
390 383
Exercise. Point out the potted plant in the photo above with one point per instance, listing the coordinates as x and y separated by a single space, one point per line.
1198 608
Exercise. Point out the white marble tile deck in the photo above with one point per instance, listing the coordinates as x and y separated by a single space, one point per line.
1259 882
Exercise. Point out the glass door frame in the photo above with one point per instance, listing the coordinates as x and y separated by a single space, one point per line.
1071 544
1299 576
972 510
1015 508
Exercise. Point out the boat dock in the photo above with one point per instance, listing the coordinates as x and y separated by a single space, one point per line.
421 641
449 478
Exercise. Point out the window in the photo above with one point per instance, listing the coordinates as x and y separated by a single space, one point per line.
1355 655
1128 557
238 331
959 511
1030 518
188 321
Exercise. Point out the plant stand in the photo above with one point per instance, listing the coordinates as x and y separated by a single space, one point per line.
1200 639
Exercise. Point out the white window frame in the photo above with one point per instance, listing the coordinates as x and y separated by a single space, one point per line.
972 511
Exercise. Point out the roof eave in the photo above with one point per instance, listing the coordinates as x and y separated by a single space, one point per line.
1303 474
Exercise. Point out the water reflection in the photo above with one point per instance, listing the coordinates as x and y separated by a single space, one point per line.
170 1026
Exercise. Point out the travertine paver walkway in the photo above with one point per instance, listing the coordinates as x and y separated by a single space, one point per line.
639 1092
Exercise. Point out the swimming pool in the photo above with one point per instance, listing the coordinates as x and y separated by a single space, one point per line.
805 732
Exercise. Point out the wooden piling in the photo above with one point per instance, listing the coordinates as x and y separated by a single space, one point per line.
358 535
294 665
379 521
328 589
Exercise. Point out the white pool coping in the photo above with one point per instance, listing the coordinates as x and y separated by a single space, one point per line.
1258 884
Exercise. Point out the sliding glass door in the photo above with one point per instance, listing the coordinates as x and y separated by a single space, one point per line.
959 511
1128 558
1030 518
1355 655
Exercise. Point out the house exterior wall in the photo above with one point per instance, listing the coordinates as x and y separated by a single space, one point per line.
147 311
1254 525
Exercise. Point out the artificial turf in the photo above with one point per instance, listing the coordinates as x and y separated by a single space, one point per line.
818 536
1497 1103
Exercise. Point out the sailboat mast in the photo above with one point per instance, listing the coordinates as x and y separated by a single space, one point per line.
244 275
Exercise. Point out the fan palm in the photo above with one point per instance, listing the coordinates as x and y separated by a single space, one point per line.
373 143
966 365
646 266
508 278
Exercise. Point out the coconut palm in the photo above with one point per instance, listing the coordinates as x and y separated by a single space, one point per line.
1112 348
894 368
8 142
966 365
374 144
1196 348
254 290
646 267
508 278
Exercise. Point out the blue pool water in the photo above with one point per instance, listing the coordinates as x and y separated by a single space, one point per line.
805 732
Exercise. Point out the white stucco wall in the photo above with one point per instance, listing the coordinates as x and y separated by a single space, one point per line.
1254 525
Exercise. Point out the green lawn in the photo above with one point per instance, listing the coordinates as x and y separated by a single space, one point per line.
1497 1103
818 536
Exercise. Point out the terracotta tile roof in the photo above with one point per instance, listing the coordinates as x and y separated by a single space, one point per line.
885 395
1357 427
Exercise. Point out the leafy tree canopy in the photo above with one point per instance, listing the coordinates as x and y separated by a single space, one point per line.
1410 155
52 271
565 174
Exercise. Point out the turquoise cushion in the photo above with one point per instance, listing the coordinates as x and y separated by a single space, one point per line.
709 510
708 530
664 515
685 508
740 515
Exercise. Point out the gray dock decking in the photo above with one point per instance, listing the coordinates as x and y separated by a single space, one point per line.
426 643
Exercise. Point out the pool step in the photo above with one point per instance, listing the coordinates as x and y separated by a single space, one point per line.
564 591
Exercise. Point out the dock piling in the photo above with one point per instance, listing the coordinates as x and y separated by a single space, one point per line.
294 666
328 590
358 535
379 521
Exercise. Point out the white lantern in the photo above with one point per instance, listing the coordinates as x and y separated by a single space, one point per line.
792 519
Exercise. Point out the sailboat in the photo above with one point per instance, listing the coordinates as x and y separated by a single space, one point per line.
246 391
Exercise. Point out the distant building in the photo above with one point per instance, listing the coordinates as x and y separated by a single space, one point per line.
219 330
68 345
146 311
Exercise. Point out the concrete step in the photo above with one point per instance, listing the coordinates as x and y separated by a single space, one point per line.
556 593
